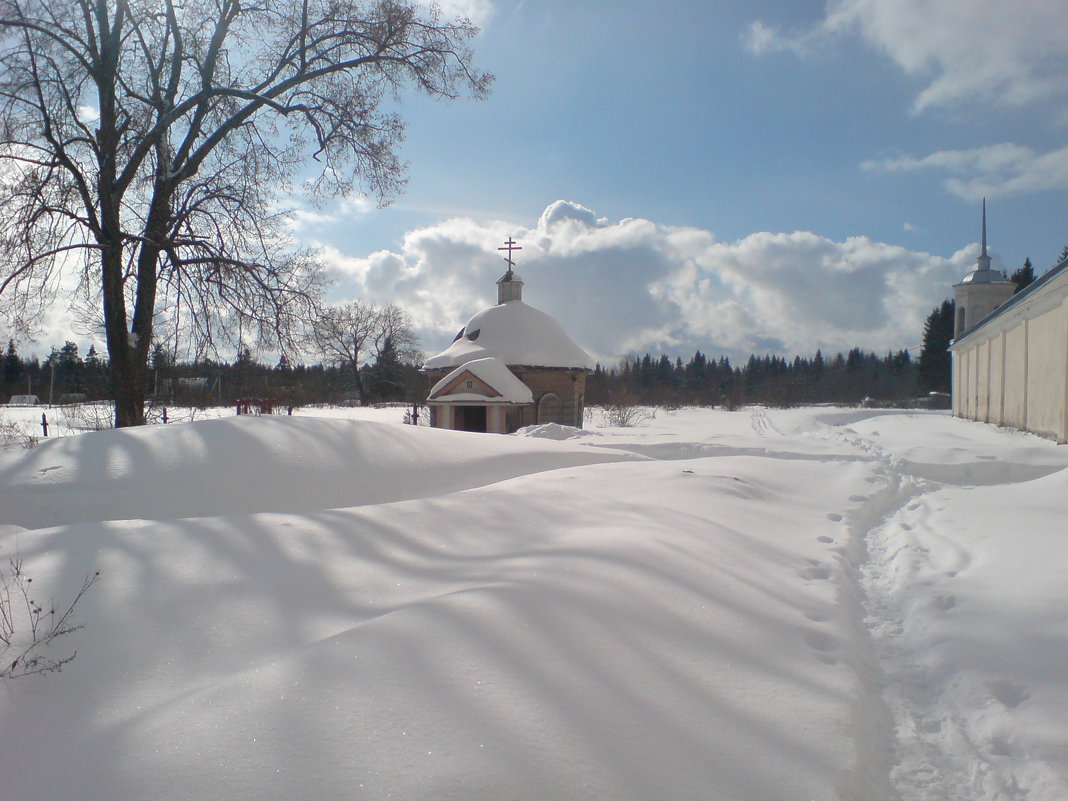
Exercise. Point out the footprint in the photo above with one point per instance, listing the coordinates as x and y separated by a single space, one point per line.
815 617
819 640
873 480
929 725
1008 692
906 527
824 538
816 573
944 602
858 498
1000 746
48 469
834 516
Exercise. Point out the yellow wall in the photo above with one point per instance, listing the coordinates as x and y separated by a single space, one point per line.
1014 370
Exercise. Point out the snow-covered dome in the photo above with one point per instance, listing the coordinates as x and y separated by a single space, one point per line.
518 335
986 276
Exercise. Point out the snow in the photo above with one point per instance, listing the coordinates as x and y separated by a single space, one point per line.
494 373
765 604
517 334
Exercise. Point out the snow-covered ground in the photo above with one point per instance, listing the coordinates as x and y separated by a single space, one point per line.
762 605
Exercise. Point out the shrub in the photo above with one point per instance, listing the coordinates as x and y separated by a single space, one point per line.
27 626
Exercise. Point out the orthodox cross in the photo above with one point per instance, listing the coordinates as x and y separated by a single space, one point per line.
510 245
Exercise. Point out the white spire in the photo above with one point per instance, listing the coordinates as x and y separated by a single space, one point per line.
984 259
984 226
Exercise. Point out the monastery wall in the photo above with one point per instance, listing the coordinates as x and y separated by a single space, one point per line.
1047 351
1014 370
1015 402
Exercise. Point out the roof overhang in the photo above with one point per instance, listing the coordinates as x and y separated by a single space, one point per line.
482 382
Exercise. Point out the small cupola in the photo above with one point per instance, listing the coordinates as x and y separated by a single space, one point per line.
509 285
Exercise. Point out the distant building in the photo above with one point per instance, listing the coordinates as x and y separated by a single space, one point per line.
24 400
511 366
1010 352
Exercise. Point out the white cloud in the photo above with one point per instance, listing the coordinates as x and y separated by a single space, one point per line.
301 219
760 39
992 171
478 11
635 285
1007 52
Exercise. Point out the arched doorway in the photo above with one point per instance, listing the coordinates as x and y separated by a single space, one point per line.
550 408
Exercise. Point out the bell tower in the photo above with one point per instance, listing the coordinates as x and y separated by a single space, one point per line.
981 291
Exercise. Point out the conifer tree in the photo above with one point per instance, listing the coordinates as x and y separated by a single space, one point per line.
935 365
1024 276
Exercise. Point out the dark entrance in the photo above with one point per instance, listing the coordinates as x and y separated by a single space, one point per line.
471 418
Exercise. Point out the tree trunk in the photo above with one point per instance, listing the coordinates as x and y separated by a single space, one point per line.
127 372
129 384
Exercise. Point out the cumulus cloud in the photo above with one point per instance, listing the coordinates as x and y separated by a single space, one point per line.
633 285
991 171
1011 53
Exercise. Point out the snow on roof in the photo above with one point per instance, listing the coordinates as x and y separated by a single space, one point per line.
490 371
517 334
985 277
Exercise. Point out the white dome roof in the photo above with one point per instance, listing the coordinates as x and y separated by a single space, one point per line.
518 335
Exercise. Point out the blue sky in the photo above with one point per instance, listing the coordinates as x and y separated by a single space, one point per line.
733 176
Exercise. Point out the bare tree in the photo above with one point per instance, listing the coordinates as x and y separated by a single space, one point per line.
394 336
144 145
343 335
396 351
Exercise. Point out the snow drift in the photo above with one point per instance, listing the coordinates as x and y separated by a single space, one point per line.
780 605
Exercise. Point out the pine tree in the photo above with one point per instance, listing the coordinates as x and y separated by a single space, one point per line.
12 364
1023 276
935 366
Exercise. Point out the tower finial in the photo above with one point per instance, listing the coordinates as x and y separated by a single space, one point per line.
984 226
509 285
510 245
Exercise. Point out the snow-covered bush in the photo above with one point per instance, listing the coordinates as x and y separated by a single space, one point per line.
11 434
97 416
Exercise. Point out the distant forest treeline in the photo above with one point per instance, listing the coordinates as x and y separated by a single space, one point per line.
844 378
847 378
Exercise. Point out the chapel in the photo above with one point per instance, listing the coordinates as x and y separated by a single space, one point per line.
1010 352
510 366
